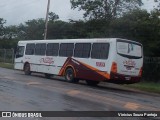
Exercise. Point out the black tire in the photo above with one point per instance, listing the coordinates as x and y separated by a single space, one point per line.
69 76
48 76
92 83
27 69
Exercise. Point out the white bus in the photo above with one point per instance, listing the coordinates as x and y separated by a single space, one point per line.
94 60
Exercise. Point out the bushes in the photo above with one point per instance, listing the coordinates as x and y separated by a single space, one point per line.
151 69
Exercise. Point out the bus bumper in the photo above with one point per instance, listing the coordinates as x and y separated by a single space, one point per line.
123 79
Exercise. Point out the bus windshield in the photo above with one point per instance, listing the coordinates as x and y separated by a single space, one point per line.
129 49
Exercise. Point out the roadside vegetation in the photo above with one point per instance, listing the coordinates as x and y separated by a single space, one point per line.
146 86
6 65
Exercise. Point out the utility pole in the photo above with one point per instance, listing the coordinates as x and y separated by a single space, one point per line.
46 21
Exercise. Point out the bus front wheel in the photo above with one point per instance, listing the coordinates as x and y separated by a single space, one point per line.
69 76
27 69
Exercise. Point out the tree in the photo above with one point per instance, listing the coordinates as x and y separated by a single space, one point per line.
80 29
34 29
141 26
104 9
11 32
155 42
53 16
60 30
2 22
22 32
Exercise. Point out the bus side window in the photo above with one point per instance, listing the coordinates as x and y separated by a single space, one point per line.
82 50
20 51
40 49
100 51
66 49
52 49
30 48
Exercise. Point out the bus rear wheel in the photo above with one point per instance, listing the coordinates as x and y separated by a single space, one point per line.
27 69
70 76
92 83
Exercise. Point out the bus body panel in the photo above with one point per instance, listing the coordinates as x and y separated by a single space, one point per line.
129 62
128 66
119 67
18 62
85 70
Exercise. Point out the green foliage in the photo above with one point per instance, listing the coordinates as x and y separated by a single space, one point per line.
59 30
34 29
136 25
31 30
146 86
131 25
2 22
6 65
151 68
80 29
8 44
10 32
104 9
53 16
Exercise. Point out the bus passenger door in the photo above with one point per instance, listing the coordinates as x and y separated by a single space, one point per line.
18 62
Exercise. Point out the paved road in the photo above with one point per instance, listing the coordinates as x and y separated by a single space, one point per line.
19 92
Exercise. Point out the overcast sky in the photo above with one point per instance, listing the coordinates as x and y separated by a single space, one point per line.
19 11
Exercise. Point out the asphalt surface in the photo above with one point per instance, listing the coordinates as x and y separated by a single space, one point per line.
19 92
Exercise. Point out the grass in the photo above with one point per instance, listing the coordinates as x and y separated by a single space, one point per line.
146 86
6 65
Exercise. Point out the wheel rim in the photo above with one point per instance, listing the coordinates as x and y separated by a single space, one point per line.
69 75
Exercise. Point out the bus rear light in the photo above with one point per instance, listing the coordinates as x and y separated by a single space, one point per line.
114 67
140 72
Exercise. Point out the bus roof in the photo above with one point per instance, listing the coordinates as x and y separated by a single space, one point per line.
73 40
